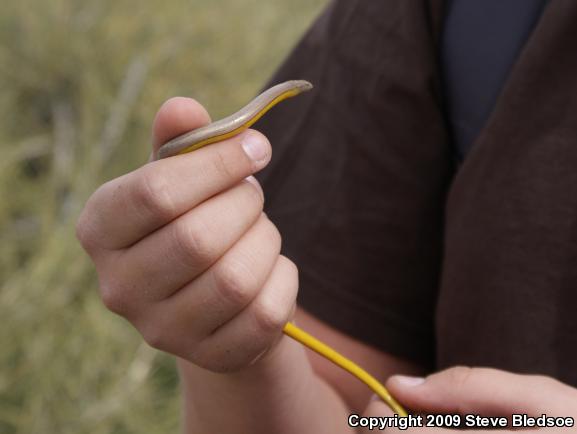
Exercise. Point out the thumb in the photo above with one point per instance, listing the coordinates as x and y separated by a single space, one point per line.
481 390
177 116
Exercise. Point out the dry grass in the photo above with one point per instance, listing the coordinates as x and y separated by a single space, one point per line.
79 84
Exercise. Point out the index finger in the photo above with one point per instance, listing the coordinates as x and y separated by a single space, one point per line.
177 116
126 209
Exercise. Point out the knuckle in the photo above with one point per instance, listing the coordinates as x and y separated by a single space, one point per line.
269 318
273 235
255 197
543 382
461 377
83 233
268 234
153 194
223 166
235 282
114 298
154 336
194 242
197 355
290 266
290 274
87 227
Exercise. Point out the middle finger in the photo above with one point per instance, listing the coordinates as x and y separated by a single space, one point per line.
160 264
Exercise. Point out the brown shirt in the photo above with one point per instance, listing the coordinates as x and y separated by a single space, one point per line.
397 246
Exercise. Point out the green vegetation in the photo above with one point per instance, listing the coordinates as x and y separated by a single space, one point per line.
80 82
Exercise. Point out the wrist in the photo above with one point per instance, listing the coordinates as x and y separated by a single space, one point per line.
272 361
278 393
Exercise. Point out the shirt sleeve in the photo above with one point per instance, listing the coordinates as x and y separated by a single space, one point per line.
360 170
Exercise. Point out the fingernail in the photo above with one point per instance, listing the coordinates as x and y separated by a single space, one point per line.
256 184
407 381
255 146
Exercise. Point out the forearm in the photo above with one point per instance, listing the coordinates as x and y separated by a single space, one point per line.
279 394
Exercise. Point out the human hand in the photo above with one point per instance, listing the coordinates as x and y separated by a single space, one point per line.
484 392
184 252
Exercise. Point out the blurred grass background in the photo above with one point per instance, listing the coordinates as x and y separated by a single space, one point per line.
80 82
